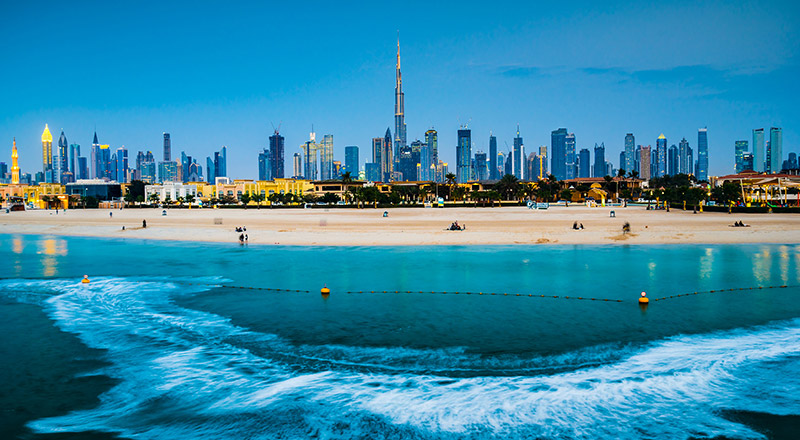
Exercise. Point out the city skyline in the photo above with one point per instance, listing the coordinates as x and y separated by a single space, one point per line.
121 124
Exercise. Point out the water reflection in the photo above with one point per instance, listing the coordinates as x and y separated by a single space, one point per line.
762 265
52 248
706 263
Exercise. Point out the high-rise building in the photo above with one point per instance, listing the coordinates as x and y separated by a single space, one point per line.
584 162
481 166
372 172
221 162
399 108
672 160
168 171
464 155
644 163
518 156
351 161
426 167
94 155
121 165
684 157
326 158
661 156
210 170
572 159
501 164
47 153
630 156
747 161
167 148
599 160
493 171
406 164
146 167
432 139
792 162
776 149
14 164
558 150
74 154
740 147
702 155
276 151
297 165
543 158
63 158
105 162
310 159
759 160
264 166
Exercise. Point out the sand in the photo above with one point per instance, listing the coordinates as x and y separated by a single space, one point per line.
411 226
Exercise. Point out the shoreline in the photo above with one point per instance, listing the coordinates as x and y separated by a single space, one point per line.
412 226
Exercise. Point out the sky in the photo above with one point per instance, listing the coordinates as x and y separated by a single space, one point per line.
226 73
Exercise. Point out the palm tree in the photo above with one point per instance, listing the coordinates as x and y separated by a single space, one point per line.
347 178
190 198
507 186
245 198
153 198
180 200
258 198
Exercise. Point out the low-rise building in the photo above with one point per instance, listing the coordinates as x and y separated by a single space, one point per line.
170 191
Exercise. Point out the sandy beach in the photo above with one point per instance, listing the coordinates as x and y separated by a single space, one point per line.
412 226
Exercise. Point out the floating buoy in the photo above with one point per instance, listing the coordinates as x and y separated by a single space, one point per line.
325 291
644 299
85 279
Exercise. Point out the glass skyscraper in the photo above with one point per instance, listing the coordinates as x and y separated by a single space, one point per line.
630 150
759 159
584 163
276 158
464 155
660 157
599 160
741 148
572 159
558 151
776 149
518 156
351 160
702 155
493 171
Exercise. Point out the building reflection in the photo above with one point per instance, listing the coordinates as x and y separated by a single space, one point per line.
51 248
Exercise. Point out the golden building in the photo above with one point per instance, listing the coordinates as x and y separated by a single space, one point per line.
14 164
47 150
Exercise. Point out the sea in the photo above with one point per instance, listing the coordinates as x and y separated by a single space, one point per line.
187 340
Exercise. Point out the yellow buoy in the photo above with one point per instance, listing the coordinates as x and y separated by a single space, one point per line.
644 299
325 291
85 279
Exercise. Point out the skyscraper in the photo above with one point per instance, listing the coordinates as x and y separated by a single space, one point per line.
661 156
388 159
493 171
572 159
326 158
167 148
310 157
74 154
481 169
406 164
599 160
518 156
684 157
426 167
558 151
644 163
297 165
63 159
399 108
276 159
94 155
210 171
584 162
47 154
776 149
758 150
630 157
351 164
121 165
672 160
463 155
702 155
543 158
264 167
740 148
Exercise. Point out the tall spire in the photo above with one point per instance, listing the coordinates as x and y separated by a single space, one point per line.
399 107
14 164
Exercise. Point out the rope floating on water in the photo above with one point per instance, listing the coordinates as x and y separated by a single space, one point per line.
526 295
740 289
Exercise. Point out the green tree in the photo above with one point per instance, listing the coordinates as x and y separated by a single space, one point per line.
190 198
508 187
330 198
258 198
153 198
245 198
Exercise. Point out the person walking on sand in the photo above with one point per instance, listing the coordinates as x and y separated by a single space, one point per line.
144 224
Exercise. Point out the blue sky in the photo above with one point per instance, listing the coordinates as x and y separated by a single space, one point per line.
217 74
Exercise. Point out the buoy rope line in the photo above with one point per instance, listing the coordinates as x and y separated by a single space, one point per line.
740 289
525 295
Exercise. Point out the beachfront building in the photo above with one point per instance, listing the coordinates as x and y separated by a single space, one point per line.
237 188
100 189
170 191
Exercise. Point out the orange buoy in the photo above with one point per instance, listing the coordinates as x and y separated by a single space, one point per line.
644 299
325 291
85 279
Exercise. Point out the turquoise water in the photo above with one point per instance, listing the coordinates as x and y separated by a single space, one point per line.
172 355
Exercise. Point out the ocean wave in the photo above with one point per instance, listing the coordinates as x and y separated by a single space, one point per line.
187 373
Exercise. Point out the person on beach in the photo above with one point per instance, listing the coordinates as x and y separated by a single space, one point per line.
144 224
241 238
110 214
